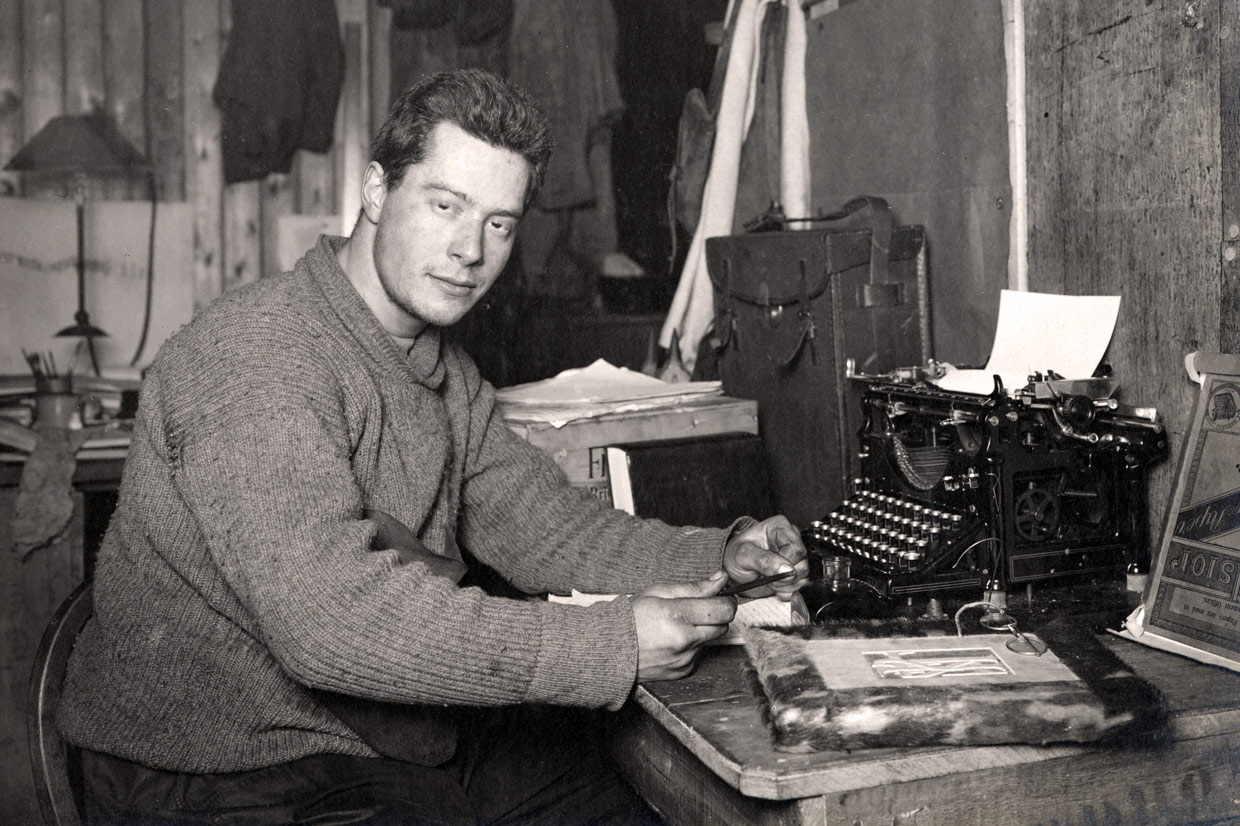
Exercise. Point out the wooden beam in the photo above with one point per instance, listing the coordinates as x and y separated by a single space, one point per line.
1228 30
11 50
165 113
204 169
242 240
124 84
43 78
83 56
1018 172
43 67
316 186
279 199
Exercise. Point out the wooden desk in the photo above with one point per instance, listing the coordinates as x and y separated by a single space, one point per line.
700 752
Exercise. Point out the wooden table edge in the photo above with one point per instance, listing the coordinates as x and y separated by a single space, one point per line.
887 768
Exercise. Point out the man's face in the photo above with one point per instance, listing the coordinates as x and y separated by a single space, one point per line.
444 232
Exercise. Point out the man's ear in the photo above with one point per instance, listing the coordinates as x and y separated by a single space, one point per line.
374 191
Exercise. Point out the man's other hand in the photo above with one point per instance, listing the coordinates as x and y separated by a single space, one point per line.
769 547
675 621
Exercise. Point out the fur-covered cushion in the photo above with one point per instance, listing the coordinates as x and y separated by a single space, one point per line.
1085 694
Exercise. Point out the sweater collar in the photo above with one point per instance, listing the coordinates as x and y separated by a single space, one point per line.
422 362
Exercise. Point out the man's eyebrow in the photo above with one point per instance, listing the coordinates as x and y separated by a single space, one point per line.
445 188
442 187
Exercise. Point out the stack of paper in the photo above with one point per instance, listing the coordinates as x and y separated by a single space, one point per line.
1038 333
596 390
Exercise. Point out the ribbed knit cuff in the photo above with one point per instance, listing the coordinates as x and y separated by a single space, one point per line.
587 655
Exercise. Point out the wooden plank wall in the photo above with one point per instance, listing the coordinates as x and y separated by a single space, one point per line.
1124 160
1229 144
152 64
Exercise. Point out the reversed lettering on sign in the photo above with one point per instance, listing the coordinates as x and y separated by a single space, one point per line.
1204 569
1210 519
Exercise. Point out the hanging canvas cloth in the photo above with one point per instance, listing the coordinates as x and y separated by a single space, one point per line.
692 306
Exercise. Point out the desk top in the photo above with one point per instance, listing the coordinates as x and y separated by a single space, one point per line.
90 474
717 715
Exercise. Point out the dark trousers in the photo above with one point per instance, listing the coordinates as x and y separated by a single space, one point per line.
518 765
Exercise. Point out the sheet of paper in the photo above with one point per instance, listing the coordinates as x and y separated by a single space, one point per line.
596 390
771 612
597 383
1040 332
984 659
767 612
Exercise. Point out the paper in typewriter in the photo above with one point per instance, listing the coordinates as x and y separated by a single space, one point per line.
1192 604
849 693
1038 333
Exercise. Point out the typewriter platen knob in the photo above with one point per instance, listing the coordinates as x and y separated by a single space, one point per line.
1077 411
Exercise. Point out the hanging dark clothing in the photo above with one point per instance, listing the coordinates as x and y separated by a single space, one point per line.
475 20
421 14
563 52
279 84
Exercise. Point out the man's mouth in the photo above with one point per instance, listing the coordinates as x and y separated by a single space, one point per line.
454 286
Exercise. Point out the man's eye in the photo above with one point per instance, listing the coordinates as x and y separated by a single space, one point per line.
501 228
443 206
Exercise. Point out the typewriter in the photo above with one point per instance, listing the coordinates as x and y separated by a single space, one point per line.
958 490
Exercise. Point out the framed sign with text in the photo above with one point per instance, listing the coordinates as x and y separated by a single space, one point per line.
1191 604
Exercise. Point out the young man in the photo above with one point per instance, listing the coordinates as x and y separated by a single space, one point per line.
310 462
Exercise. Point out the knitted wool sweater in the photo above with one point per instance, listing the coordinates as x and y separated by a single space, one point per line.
236 572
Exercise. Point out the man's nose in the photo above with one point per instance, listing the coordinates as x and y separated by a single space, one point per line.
467 243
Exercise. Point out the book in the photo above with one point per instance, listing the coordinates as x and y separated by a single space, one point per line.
707 481
19 436
1191 602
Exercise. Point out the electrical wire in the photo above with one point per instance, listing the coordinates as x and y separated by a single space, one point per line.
966 551
150 270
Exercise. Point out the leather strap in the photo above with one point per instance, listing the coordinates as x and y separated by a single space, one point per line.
725 324
764 297
878 292
809 329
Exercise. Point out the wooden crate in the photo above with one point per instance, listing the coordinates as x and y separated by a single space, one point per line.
580 447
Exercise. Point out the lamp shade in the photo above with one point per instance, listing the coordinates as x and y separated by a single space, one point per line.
89 143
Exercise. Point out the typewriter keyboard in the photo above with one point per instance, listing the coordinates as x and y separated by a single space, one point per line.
893 534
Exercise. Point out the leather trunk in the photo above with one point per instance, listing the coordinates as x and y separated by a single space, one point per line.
791 309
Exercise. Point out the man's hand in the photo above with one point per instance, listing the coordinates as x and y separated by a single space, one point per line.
768 547
675 621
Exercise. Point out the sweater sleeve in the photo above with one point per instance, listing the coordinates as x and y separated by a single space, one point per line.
261 456
520 516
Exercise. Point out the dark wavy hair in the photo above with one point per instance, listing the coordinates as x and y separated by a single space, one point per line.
488 107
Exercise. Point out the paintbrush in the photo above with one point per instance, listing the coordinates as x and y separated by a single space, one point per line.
35 366
741 587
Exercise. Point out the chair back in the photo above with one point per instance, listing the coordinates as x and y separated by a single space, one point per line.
49 754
